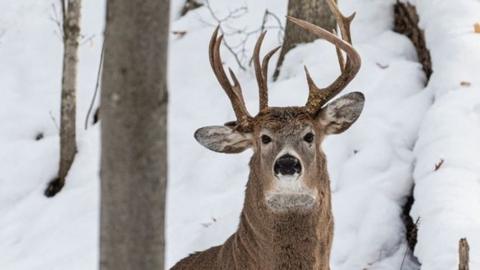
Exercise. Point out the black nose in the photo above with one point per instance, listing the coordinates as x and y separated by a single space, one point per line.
287 165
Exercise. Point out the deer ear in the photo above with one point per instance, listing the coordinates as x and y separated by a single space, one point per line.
340 114
223 139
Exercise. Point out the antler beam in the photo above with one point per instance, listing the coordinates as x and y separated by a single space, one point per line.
233 91
318 97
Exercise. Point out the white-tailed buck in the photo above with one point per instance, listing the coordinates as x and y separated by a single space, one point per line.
286 221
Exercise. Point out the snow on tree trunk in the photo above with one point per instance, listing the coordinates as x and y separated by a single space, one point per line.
134 131
68 146
314 11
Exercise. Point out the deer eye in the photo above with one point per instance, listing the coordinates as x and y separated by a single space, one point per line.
308 137
265 139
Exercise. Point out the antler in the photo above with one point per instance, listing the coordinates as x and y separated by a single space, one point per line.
234 92
261 72
318 97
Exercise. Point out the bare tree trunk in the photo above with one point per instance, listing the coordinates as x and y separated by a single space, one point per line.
134 131
314 11
463 252
68 146
406 22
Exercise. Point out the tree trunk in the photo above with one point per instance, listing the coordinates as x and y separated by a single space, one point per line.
314 11
463 253
406 22
134 131
68 146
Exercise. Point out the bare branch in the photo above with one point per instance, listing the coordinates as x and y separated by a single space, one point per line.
239 49
86 39
54 121
219 22
57 21
97 85
63 6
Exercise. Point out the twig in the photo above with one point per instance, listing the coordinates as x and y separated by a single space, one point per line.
219 22
97 85
462 83
264 20
179 34
274 16
85 39
439 164
239 50
263 27
64 9
54 121
55 19
382 66
233 14
281 33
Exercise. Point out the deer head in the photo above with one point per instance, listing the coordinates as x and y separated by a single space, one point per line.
288 161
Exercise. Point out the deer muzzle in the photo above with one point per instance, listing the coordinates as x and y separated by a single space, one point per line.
287 165
289 192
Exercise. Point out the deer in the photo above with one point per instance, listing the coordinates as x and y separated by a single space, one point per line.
286 221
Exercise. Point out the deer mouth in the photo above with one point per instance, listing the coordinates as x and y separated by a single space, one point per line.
290 194
290 202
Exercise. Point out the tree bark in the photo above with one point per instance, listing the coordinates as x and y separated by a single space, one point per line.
406 22
463 253
68 146
134 132
314 11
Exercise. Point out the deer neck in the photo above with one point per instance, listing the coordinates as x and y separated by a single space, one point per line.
284 241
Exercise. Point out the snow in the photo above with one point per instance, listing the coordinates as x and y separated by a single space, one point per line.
39 233
404 131
447 200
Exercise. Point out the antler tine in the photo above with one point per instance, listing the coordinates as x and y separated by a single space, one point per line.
265 61
341 61
318 97
234 92
344 25
312 87
262 84
352 64
261 71
343 22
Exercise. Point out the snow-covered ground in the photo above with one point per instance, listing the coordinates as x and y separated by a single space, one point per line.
448 200
403 132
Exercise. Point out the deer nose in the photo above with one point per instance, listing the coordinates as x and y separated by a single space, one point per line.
287 165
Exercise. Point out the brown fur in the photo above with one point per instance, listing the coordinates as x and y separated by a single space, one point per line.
273 241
